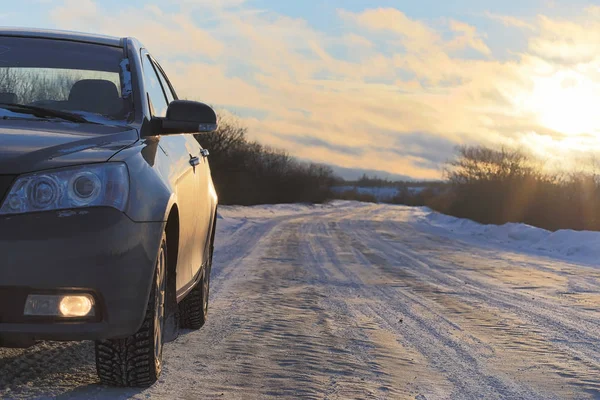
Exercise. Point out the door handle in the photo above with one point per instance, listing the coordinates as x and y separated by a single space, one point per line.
194 161
204 152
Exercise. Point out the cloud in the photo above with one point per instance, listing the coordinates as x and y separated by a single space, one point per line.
468 38
417 35
511 21
431 150
578 41
316 142
171 34
210 3
354 40
356 96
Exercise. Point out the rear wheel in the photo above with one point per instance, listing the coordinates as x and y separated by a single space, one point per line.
193 310
136 361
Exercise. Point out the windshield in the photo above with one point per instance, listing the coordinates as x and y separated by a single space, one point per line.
68 76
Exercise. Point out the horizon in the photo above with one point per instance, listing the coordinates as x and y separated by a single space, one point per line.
387 86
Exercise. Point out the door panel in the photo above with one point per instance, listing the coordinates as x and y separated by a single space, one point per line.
201 218
203 205
183 180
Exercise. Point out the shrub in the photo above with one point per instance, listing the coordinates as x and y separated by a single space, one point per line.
499 186
246 172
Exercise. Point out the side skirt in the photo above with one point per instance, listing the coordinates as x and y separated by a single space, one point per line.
181 293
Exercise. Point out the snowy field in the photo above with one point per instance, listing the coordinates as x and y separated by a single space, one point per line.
353 300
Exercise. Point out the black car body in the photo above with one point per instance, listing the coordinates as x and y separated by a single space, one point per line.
154 198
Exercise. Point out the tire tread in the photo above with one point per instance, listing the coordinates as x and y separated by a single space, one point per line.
191 309
129 362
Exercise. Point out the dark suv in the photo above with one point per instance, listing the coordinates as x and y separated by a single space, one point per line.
107 206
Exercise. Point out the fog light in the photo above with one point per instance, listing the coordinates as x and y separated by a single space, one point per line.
76 306
69 306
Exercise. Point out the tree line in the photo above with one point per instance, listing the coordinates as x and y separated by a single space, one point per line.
246 172
496 186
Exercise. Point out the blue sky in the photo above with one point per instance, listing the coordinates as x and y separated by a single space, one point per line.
388 85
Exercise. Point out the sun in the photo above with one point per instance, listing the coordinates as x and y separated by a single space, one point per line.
567 102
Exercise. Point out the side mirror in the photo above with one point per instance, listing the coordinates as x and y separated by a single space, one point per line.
185 116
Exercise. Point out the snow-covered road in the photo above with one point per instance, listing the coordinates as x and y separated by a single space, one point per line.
361 301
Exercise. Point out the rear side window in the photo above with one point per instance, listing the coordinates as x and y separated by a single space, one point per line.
156 96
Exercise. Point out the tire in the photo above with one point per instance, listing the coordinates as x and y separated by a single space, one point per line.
136 361
193 309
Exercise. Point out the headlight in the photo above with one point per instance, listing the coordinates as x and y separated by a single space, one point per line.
85 186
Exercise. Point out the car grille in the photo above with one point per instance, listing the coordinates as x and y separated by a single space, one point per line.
5 182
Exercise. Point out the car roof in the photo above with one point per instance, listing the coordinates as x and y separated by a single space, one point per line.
62 35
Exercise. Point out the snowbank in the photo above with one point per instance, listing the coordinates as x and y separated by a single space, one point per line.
581 246
576 246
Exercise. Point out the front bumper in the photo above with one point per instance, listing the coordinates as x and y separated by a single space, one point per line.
97 250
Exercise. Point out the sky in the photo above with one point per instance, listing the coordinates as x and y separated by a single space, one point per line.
377 85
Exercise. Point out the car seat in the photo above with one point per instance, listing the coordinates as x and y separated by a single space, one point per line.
95 95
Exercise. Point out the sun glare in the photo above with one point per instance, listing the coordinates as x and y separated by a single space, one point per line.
567 102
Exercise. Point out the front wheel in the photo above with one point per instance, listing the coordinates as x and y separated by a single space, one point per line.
136 361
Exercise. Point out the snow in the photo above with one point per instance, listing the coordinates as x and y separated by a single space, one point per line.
356 300
282 210
578 246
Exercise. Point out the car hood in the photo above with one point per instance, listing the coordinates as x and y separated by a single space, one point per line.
27 146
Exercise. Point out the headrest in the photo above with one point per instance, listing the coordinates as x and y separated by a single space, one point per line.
8 97
95 95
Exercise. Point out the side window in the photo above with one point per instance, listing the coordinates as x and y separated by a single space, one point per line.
158 102
165 84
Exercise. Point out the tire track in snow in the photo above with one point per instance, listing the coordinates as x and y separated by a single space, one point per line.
573 361
578 327
423 331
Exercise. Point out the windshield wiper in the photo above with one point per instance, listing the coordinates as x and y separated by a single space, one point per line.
43 112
